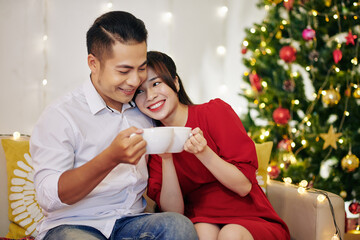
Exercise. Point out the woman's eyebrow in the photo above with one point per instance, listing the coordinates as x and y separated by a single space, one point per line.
154 78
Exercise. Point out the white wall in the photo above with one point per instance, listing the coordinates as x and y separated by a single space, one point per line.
190 38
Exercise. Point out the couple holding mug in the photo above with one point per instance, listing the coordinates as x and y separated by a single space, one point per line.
91 171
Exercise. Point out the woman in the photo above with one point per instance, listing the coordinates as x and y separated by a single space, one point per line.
213 181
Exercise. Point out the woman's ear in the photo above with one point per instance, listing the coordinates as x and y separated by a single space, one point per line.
177 85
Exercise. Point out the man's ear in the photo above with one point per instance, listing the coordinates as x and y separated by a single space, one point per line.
177 85
93 63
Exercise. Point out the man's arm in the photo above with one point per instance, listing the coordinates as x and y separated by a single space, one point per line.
77 183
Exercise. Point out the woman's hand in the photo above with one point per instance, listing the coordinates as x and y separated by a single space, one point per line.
196 143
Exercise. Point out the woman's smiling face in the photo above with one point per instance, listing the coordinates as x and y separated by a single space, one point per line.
155 98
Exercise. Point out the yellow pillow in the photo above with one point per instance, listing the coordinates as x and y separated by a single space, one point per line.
24 211
263 152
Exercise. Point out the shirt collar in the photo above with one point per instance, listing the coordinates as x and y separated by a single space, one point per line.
95 101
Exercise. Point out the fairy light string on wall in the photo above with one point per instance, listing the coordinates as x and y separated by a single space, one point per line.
45 38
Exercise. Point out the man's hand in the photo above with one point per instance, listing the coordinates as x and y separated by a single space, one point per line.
196 143
128 146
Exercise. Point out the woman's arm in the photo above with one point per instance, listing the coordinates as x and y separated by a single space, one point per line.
171 198
226 173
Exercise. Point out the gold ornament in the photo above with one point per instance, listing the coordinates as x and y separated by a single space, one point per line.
331 97
278 34
328 3
330 138
343 194
357 93
350 162
276 1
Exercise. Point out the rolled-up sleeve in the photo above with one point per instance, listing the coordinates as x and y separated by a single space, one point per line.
52 151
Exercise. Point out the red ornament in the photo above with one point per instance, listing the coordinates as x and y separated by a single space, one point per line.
284 145
274 171
350 38
281 115
337 55
308 34
354 207
288 54
255 82
289 4
244 50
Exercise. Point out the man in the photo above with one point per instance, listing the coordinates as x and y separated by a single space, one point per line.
90 170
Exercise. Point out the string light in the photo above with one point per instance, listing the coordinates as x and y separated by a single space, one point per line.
167 17
222 11
109 5
45 38
335 237
301 190
221 50
303 183
287 180
16 135
320 198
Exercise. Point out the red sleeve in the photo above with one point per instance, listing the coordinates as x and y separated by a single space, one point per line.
155 178
230 138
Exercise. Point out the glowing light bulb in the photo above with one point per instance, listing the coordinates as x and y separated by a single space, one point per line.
335 237
109 5
301 190
222 11
252 30
288 180
221 50
44 82
16 135
167 17
320 198
245 43
303 183
45 37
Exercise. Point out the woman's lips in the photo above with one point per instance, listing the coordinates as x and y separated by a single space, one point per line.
156 106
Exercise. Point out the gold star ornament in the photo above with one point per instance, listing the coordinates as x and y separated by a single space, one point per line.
330 138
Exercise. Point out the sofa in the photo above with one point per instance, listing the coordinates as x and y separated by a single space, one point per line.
307 217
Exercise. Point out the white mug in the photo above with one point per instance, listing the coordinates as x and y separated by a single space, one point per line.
158 139
181 134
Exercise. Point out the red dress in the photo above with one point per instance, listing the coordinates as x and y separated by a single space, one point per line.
206 199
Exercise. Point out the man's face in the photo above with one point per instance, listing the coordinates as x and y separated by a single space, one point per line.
117 77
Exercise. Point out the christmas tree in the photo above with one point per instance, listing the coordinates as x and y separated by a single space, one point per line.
304 91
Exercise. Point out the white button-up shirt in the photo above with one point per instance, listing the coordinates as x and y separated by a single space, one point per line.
70 133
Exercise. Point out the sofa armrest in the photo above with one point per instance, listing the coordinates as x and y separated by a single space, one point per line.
306 217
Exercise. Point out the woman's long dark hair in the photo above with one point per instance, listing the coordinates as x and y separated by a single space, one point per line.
165 68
